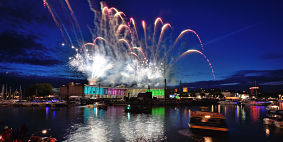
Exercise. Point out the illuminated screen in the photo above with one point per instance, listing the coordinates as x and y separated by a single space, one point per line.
112 91
91 90
156 92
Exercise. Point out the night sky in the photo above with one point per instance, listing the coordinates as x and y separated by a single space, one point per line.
242 39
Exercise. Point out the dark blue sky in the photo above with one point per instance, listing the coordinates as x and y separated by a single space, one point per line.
241 37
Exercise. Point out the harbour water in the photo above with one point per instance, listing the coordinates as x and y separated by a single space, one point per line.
162 124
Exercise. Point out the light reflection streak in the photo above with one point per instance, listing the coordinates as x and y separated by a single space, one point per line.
189 114
96 111
254 113
86 115
208 139
53 115
98 132
243 114
47 112
267 132
128 116
238 112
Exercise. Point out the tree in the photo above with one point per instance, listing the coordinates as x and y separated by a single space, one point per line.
40 89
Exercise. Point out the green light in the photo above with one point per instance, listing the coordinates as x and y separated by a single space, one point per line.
156 92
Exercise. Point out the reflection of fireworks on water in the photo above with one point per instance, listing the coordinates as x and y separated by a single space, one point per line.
142 128
118 55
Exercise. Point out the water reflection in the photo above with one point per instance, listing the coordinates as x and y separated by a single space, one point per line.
207 139
163 123
256 111
53 116
93 128
110 126
142 128
96 130
47 112
238 112
267 131
243 113
159 111
128 116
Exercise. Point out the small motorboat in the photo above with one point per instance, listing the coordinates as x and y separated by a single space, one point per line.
42 136
208 121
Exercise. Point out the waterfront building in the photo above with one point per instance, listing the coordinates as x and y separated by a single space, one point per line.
254 91
72 90
228 94
91 91
75 90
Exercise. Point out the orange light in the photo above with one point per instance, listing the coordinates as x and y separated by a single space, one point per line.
207 116
185 89
44 131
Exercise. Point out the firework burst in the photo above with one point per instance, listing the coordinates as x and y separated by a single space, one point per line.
117 54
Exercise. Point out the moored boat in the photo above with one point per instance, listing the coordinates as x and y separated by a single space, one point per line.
42 136
274 118
208 121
